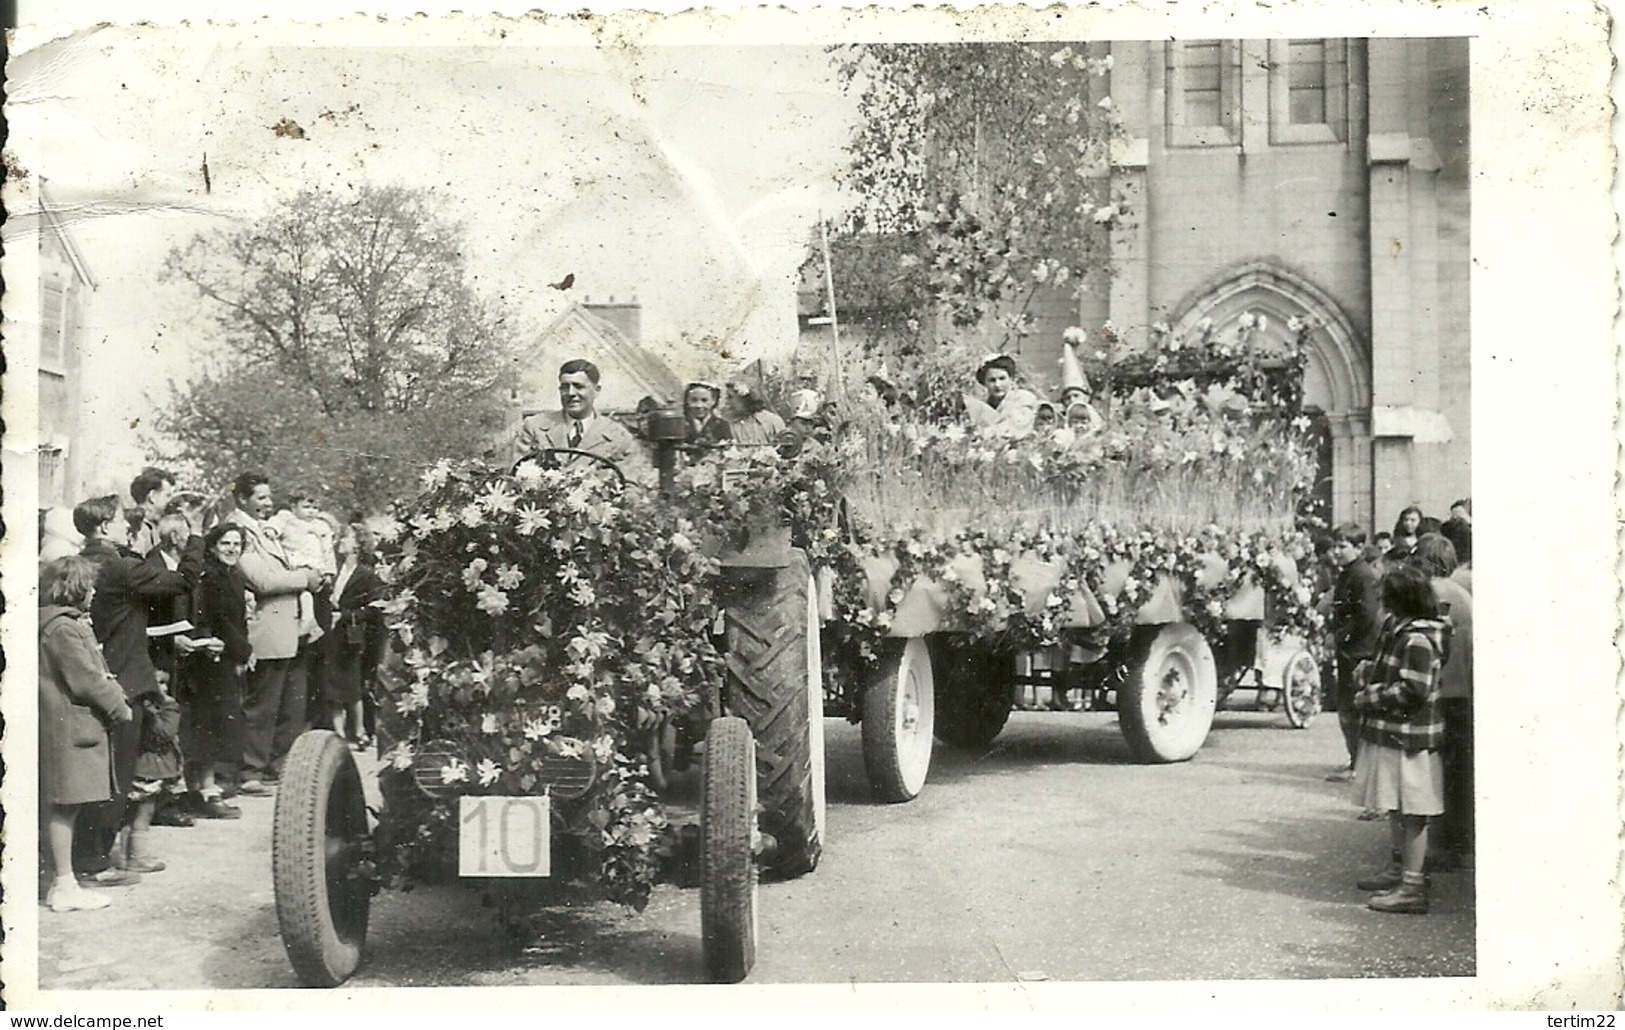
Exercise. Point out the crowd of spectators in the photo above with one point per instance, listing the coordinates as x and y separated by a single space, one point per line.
184 643
1401 678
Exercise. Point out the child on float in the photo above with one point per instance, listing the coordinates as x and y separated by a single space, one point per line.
1399 768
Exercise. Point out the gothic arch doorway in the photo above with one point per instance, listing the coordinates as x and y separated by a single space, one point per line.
1337 382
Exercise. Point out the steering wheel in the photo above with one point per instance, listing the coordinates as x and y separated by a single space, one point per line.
554 457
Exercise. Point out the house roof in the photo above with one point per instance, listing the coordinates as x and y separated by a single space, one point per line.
630 371
51 221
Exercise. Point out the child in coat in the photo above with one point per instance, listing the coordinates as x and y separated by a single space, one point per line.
79 699
1399 768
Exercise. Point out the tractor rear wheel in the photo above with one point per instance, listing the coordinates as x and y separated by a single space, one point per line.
775 683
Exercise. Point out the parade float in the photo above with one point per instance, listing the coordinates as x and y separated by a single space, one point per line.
1149 557
565 644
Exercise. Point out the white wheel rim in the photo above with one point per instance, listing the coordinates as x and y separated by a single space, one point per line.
914 719
1172 705
755 832
815 709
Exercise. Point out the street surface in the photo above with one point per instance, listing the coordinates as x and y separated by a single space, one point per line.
1052 857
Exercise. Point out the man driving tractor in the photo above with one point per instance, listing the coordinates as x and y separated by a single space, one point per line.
579 426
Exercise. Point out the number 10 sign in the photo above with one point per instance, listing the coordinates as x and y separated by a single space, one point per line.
503 836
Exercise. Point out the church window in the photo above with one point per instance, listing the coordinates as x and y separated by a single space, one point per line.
1204 92
1308 90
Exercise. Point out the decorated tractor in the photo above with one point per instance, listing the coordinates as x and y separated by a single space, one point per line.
565 647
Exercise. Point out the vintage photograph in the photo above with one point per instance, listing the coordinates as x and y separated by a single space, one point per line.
517 507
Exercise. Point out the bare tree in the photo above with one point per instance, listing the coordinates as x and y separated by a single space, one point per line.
366 300
353 345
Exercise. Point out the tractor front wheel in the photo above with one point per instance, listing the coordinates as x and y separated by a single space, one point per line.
728 851
317 830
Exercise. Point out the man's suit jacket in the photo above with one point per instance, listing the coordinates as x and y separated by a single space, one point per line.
125 586
601 435
165 610
274 630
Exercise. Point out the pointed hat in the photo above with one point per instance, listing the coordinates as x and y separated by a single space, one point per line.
1072 376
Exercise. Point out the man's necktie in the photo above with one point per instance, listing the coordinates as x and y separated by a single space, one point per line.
575 433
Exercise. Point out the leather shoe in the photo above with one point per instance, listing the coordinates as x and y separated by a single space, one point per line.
109 877
172 815
1406 899
253 789
215 808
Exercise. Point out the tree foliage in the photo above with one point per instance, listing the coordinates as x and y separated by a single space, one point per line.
232 418
985 167
353 346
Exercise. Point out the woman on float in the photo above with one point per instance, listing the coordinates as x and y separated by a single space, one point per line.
1008 409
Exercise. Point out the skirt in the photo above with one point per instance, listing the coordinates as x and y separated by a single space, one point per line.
343 680
1387 779
213 731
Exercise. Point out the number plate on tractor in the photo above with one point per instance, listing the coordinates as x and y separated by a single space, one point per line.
502 836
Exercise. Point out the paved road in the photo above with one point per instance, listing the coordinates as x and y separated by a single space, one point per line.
1051 857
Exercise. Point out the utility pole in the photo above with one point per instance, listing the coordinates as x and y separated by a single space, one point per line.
834 322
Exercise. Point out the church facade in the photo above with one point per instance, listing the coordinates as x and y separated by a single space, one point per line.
1321 179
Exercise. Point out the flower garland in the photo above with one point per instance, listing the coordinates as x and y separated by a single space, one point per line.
997 612
1208 565
542 615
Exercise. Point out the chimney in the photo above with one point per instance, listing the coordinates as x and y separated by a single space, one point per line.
626 316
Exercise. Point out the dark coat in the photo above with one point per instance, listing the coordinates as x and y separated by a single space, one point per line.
125 586
1357 610
713 433
78 700
162 611
355 644
214 731
221 610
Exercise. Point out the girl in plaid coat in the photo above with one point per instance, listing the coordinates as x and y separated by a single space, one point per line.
1399 769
